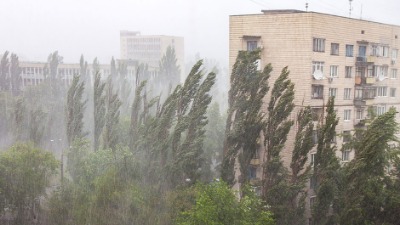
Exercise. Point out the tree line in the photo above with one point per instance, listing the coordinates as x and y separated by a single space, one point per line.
137 156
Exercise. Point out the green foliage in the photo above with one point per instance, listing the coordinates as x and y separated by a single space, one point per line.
245 120
216 204
110 137
4 72
327 171
169 70
25 173
99 102
75 110
371 196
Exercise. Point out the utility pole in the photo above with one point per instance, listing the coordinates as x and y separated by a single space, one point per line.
350 1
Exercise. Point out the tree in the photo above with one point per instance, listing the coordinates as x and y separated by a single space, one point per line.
84 73
367 197
245 118
15 75
293 192
25 173
75 110
52 72
327 171
216 204
37 126
110 138
5 72
99 102
169 69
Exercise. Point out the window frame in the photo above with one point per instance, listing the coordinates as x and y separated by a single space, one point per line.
348 71
393 74
332 92
349 50
318 44
346 155
334 71
381 91
335 48
347 94
392 92
319 90
347 115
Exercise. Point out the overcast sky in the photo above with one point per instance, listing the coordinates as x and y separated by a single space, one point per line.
35 28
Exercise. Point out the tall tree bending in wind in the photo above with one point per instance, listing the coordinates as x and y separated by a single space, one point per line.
75 110
245 119
99 109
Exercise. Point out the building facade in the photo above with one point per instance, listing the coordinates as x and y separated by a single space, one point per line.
354 60
149 49
34 73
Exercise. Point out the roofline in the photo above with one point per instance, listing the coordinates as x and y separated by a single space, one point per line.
294 11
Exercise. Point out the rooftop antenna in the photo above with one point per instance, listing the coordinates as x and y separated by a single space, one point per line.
350 1
306 6
361 12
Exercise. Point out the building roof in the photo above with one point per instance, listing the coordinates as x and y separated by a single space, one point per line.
293 11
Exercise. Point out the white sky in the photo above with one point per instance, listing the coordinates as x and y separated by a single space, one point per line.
35 28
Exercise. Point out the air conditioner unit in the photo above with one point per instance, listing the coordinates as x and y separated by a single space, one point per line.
330 79
393 61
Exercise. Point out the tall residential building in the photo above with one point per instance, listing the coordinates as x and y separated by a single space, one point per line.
149 49
354 60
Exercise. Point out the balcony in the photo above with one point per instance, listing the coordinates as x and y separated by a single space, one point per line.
364 61
255 162
370 80
359 102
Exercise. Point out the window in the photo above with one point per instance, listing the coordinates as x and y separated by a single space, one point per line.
332 92
362 50
347 93
316 113
359 114
394 54
318 66
393 74
348 71
252 172
380 109
384 51
349 50
346 136
317 91
334 71
375 50
319 45
312 159
334 138
392 92
347 114
313 182
382 91
251 45
334 49
312 201
345 155
315 136
369 93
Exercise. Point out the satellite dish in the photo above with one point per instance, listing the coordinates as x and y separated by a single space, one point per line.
381 77
318 75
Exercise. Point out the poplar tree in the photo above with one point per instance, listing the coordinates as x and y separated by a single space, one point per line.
4 72
169 69
245 119
327 171
99 109
368 197
75 110
15 75
84 73
110 137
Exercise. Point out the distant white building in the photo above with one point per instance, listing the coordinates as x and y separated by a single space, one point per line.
149 49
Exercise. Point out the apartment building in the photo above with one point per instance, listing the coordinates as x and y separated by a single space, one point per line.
149 49
354 60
